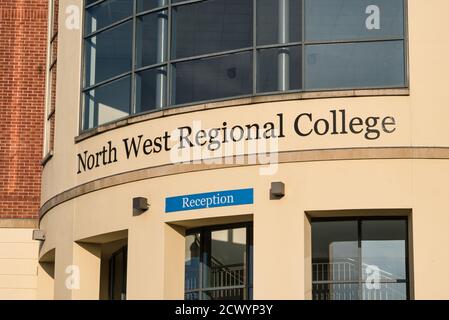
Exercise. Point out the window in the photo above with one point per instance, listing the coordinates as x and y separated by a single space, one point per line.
360 259
117 274
50 108
218 263
176 52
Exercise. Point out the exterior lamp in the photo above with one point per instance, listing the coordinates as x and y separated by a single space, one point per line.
140 205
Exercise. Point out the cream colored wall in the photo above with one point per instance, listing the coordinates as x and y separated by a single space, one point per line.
281 249
57 174
18 264
156 250
415 114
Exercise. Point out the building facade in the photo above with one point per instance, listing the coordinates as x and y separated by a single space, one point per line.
246 149
23 37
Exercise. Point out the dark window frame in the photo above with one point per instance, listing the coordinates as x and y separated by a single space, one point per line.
169 63
359 220
111 286
248 287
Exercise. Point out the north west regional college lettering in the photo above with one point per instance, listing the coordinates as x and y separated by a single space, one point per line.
336 122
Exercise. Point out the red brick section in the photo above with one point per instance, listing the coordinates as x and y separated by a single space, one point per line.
23 38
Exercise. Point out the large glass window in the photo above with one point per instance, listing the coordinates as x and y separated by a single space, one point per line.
212 78
360 259
211 26
218 263
182 52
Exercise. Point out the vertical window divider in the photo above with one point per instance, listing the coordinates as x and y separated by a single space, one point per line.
249 258
202 256
254 47
168 78
405 43
359 245
133 106
303 47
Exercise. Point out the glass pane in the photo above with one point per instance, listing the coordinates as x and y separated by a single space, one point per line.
211 26
106 13
278 21
192 296
355 65
353 19
212 78
336 291
192 265
335 251
279 69
385 291
144 5
226 261
224 294
384 250
152 30
108 54
119 270
107 103
151 89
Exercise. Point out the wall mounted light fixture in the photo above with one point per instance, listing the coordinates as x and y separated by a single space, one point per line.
277 190
39 235
140 205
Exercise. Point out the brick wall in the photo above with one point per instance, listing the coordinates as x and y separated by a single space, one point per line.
23 38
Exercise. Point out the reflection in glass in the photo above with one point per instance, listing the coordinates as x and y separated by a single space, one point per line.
151 39
271 72
355 65
211 26
106 13
335 251
224 294
328 20
151 89
144 5
336 291
349 44
226 264
359 259
383 246
108 54
117 274
107 103
278 21
385 291
192 264
212 78
216 265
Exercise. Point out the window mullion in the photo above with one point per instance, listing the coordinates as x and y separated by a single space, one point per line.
133 61
359 244
254 47
303 47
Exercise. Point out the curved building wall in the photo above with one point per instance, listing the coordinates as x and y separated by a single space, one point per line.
359 153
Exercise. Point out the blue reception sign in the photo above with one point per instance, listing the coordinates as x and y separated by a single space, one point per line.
210 200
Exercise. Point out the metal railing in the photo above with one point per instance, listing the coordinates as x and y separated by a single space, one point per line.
342 281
